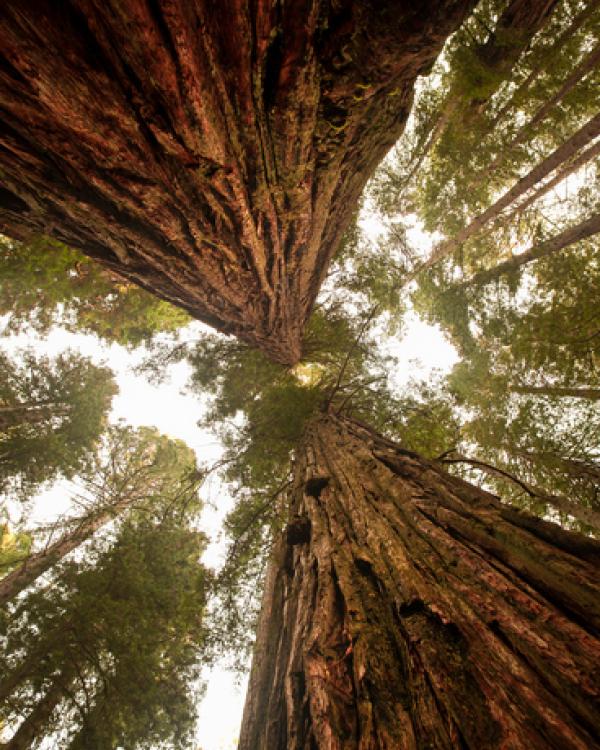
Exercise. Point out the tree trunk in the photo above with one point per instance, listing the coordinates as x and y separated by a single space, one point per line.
35 725
587 65
583 158
567 150
576 468
40 562
11 681
581 231
593 394
212 154
516 26
547 60
563 504
407 609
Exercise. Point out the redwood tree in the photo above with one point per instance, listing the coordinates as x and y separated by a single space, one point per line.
405 608
213 155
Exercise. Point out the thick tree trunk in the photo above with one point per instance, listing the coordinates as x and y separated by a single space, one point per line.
587 133
407 609
212 154
581 231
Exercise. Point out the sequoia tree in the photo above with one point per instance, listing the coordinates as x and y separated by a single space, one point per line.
405 608
214 156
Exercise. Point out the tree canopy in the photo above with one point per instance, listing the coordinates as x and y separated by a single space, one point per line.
52 412
44 283
114 643
212 163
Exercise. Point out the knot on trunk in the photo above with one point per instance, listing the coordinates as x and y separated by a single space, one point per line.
315 486
298 531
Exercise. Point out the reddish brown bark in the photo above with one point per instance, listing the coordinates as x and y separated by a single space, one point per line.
409 609
212 154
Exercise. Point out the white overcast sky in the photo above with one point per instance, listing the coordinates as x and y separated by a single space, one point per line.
421 349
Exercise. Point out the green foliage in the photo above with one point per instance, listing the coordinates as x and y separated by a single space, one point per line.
14 549
157 475
52 412
364 275
45 283
124 626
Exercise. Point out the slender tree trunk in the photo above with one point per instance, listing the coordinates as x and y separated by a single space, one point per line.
516 26
40 562
211 153
575 468
580 512
581 138
587 65
593 394
548 59
405 609
30 665
581 231
36 723
583 158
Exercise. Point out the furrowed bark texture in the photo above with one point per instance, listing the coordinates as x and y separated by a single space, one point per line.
211 153
407 609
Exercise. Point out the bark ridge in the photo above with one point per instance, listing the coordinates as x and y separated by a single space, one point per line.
212 154
421 613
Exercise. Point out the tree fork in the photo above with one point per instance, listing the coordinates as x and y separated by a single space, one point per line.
214 157
420 611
